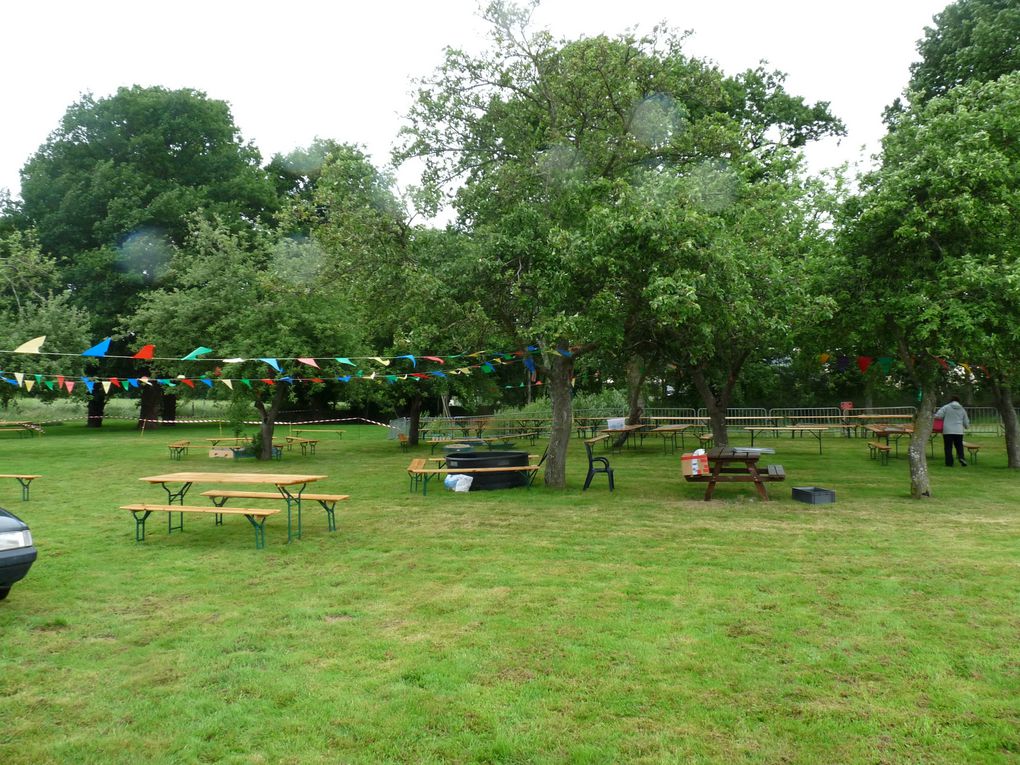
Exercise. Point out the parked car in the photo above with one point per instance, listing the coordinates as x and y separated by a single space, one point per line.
16 551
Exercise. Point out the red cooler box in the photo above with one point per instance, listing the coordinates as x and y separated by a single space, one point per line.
694 464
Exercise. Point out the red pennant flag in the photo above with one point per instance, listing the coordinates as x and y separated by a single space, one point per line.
435 359
145 353
942 362
60 381
115 382
188 382
267 381
863 362
316 379
70 386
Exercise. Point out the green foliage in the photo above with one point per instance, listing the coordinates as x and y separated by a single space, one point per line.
142 158
972 41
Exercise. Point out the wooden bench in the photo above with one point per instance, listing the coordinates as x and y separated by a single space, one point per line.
422 474
598 439
706 440
21 430
24 479
307 444
414 472
327 501
178 449
404 441
256 516
972 450
339 433
876 448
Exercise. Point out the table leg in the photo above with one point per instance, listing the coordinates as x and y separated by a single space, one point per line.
711 483
759 485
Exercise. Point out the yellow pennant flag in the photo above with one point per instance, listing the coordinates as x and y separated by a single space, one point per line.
823 357
32 346
106 386
29 384
384 362
228 383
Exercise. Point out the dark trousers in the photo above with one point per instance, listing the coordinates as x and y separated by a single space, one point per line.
949 441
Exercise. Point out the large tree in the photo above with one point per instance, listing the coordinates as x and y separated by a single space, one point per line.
267 297
972 41
934 247
541 133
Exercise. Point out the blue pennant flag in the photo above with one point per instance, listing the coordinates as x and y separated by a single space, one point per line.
88 383
414 362
207 381
273 363
99 349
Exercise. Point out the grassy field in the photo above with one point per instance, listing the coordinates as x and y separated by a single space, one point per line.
642 626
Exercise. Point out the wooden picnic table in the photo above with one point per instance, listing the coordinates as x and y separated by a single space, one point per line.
732 464
236 440
793 430
885 432
339 433
626 430
670 432
284 483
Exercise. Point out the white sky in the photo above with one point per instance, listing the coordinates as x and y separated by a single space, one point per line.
298 69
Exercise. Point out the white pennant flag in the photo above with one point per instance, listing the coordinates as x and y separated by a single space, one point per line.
228 383
20 377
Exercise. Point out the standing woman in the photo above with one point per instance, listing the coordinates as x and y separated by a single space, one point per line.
954 423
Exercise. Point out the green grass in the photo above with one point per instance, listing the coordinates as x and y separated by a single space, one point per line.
517 626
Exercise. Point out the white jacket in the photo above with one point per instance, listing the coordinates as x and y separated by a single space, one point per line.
954 418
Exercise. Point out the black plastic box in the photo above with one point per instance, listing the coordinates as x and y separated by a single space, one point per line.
814 495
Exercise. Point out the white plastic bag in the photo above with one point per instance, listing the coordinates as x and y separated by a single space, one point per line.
450 482
463 483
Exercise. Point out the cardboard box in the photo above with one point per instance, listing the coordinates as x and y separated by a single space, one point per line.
694 464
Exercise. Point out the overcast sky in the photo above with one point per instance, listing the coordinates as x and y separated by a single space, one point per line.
298 69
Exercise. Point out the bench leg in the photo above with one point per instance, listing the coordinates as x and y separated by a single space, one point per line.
170 522
140 517
260 530
24 488
329 507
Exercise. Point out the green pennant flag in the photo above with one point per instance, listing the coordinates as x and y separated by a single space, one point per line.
246 382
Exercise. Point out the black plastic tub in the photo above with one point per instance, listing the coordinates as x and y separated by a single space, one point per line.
495 480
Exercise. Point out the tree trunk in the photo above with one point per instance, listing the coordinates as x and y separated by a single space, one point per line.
97 405
168 409
1003 397
920 480
148 412
635 399
414 429
560 371
267 422
716 405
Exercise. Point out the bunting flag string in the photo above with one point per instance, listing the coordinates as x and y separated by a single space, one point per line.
885 363
201 354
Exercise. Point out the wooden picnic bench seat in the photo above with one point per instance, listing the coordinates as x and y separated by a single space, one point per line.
604 438
421 473
972 450
877 448
256 516
414 472
326 501
178 449
307 444
706 439
25 479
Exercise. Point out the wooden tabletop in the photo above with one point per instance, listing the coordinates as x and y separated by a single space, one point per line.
277 479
